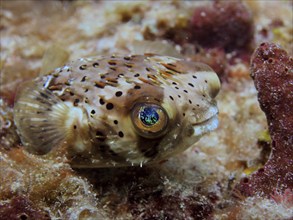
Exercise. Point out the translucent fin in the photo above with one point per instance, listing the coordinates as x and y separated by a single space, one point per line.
155 47
55 56
39 117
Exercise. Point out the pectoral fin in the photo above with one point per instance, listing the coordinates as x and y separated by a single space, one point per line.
39 117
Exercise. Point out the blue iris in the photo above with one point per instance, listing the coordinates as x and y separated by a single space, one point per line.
149 115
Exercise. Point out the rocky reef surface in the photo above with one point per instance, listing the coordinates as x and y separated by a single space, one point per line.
243 170
272 72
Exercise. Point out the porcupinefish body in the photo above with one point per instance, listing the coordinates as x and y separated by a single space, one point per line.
118 111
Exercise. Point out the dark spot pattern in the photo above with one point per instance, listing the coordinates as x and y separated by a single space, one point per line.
83 79
109 106
102 102
128 65
83 67
121 134
118 94
96 65
99 85
76 101
171 67
112 63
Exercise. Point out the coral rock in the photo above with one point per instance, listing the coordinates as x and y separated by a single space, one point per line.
21 208
272 72
8 135
226 24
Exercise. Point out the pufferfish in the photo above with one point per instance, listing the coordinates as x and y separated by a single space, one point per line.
118 110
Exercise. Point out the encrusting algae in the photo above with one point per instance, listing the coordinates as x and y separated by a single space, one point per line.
118 110
233 173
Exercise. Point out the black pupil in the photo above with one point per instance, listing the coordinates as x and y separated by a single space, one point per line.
149 115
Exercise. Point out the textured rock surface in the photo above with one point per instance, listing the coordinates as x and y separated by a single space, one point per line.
30 184
8 135
272 72
195 184
226 24
21 208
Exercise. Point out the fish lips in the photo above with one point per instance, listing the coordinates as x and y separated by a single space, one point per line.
209 124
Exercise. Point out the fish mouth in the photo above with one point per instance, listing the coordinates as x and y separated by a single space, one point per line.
206 126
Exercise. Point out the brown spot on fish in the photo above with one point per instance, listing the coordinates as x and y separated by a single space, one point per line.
112 62
129 65
100 84
171 67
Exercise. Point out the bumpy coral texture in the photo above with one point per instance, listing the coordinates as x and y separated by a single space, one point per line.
8 135
21 208
194 185
224 23
272 72
220 27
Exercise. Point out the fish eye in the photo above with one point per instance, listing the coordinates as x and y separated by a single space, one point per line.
150 120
